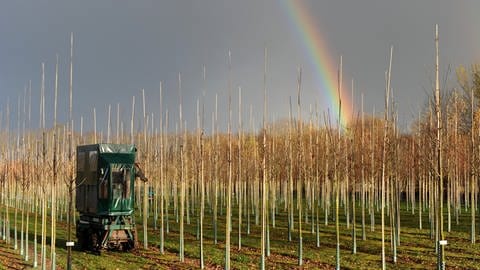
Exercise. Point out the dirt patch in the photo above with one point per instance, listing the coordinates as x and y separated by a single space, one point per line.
11 258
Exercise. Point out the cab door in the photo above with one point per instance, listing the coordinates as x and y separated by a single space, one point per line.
121 175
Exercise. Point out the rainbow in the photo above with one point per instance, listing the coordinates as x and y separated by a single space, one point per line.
325 69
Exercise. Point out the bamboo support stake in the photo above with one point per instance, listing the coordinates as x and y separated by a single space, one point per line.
441 257
132 135
337 151
364 236
240 168
16 179
94 125
354 229
108 123
264 165
162 160
145 183
290 174
215 161
301 161
202 178
182 173
43 176
384 154
28 173
228 225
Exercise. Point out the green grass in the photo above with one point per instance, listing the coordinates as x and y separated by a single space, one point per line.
415 251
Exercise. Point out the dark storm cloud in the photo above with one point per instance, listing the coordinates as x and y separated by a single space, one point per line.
122 47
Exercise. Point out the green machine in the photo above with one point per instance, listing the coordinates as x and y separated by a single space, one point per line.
105 196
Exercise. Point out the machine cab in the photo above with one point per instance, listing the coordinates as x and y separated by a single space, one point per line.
105 179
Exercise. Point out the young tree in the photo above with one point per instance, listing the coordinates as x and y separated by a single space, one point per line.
384 154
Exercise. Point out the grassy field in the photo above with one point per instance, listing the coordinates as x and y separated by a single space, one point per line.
416 248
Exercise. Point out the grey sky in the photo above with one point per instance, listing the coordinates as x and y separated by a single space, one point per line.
124 46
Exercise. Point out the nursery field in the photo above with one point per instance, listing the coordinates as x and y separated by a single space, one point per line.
415 251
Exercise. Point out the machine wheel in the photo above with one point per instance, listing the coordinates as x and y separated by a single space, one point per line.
127 246
135 239
82 238
93 241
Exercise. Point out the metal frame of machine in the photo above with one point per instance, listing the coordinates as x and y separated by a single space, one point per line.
105 196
